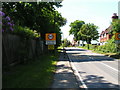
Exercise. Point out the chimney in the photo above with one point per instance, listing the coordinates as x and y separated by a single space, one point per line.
114 17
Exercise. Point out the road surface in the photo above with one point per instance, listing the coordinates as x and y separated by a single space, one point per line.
94 70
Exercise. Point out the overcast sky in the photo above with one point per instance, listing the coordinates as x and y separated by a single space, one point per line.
98 12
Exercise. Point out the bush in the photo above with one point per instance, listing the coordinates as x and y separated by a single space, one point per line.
90 46
6 23
66 43
25 32
109 47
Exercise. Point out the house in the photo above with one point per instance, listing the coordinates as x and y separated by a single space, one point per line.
106 35
74 43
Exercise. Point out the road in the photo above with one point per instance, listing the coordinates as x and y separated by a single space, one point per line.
92 69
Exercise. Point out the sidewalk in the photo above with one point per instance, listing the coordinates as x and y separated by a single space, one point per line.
64 76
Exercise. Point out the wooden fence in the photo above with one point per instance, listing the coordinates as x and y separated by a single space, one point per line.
18 50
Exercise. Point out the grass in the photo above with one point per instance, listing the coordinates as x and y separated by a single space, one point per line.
35 74
59 48
113 55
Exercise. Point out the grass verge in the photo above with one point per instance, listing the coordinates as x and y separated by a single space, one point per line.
113 55
35 74
60 49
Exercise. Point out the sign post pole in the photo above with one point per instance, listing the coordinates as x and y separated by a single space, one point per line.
117 41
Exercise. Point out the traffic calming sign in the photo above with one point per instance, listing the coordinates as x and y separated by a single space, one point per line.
117 36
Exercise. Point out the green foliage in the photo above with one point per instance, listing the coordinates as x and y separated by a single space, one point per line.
91 47
75 27
116 26
38 73
110 46
89 32
25 32
84 32
41 16
65 43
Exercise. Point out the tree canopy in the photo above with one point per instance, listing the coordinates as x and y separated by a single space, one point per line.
116 26
75 27
42 16
84 32
89 32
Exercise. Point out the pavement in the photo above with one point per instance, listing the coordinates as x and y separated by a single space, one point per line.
64 76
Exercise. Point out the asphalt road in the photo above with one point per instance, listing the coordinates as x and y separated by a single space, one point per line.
94 70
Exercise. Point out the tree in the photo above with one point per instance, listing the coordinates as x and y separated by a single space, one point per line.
66 42
116 29
75 27
41 16
116 26
89 32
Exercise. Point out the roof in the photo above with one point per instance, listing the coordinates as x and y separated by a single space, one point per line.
106 31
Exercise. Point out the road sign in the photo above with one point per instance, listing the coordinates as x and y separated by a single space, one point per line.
117 36
51 47
117 41
50 42
50 38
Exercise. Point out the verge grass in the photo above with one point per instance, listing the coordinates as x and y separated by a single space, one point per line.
35 74
113 55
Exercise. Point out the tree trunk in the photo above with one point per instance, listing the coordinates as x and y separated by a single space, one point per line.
88 41
82 43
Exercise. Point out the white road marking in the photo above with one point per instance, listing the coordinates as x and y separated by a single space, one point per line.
77 73
110 67
106 65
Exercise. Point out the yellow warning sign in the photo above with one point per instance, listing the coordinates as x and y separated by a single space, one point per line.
50 47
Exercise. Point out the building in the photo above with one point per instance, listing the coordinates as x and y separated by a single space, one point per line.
106 35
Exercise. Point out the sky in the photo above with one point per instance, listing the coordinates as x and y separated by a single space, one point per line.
98 12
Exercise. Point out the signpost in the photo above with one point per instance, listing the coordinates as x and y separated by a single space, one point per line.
117 41
50 40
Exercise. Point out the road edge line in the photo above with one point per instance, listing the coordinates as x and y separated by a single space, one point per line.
77 74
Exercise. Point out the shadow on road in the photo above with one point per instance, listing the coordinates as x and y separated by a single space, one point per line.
76 50
63 56
86 57
94 81
90 58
